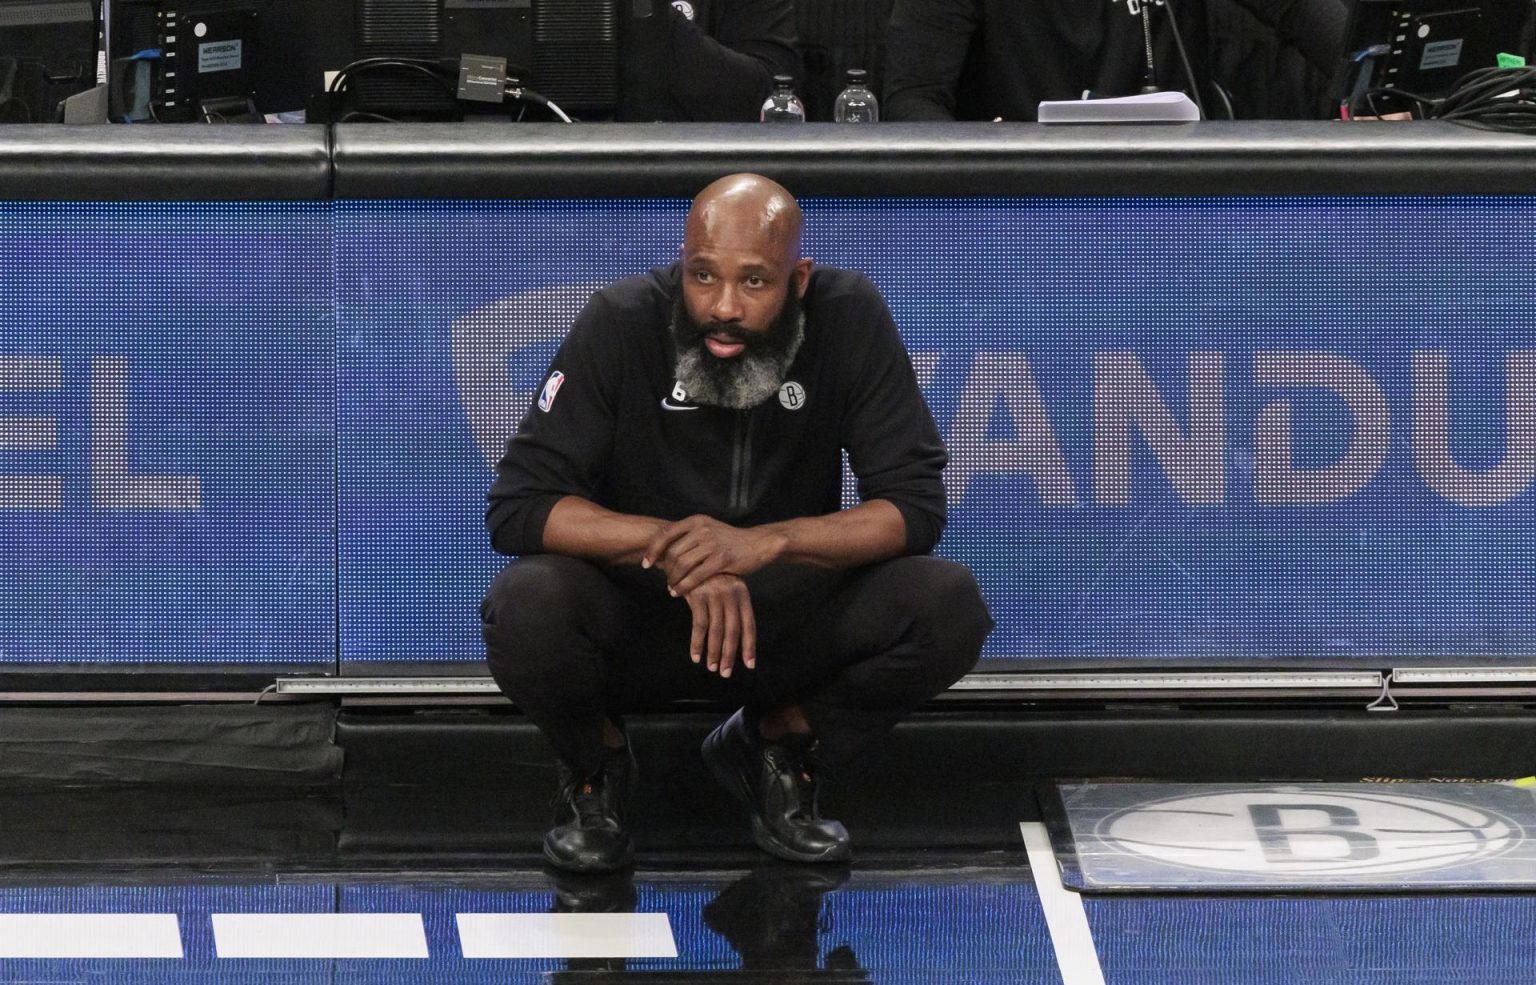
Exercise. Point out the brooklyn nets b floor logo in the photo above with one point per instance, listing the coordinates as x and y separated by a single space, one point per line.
1297 831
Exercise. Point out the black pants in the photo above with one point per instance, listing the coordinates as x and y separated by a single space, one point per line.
572 643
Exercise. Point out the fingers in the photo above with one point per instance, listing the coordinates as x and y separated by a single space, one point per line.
716 630
659 544
694 574
724 633
748 632
707 641
700 633
681 558
667 542
730 636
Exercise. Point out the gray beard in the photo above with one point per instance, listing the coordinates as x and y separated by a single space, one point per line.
739 383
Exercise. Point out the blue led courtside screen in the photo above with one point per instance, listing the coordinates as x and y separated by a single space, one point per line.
1238 431
167 434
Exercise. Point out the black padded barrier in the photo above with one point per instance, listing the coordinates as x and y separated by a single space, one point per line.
449 161
537 160
145 162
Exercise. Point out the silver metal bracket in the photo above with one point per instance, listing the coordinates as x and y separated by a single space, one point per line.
1384 701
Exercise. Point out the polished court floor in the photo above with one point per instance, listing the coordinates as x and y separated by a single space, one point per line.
420 865
913 917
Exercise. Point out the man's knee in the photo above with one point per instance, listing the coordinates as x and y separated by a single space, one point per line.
946 590
536 589
533 613
950 610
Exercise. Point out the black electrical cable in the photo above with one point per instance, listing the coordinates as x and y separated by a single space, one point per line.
1473 90
1371 94
437 73
1502 99
360 114
1189 72
430 69
1226 98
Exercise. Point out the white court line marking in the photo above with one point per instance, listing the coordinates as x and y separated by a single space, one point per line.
1064 914
566 935
319 935
90 935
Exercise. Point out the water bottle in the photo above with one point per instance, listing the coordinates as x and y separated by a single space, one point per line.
856 103
783 106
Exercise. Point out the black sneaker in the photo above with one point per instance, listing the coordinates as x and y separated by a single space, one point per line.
589 833
777 783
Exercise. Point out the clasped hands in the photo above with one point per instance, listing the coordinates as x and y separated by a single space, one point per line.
705 561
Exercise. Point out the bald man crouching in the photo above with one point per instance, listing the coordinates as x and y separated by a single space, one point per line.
675 498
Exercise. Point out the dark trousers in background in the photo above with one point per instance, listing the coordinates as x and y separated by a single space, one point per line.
572 643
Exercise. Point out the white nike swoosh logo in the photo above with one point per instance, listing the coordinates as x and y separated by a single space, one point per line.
667 406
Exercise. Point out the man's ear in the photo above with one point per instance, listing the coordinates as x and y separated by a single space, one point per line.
802 275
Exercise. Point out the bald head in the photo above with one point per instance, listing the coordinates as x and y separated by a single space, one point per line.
740 320
749 211
742 280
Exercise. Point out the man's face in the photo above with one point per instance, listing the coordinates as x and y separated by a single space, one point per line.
736 280
738 322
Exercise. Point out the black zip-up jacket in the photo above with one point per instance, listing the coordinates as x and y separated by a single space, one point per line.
607 427
980 59
705 59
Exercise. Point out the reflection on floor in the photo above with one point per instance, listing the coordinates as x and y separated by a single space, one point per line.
768 923
933 919
1311 940
149 885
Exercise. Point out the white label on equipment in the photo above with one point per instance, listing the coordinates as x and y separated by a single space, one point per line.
218 56
1441 54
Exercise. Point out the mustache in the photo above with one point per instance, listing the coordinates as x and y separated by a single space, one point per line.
696 331
692 333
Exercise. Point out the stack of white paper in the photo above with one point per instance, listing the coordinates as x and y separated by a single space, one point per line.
1151 107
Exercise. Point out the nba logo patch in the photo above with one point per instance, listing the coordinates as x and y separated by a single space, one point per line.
551 387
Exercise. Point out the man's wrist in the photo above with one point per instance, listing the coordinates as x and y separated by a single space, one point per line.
648 529
775 544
